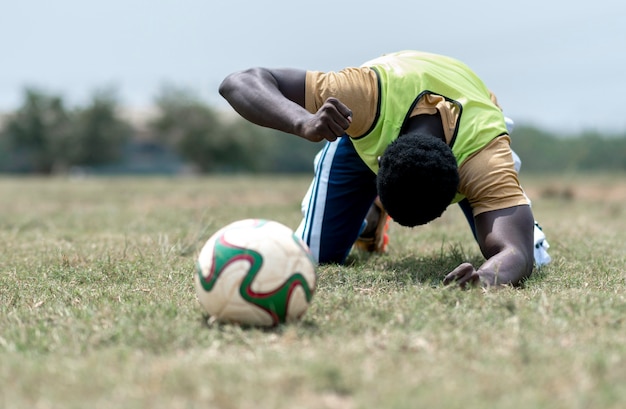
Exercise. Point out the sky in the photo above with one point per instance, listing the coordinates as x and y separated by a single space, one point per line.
555 64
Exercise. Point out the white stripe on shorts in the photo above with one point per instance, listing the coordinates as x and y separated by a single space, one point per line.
314 202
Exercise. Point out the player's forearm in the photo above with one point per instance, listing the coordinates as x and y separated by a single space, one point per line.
507 267
255 95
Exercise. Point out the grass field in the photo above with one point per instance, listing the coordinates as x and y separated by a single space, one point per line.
98 308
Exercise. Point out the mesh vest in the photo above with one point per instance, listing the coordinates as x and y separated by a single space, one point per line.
404 77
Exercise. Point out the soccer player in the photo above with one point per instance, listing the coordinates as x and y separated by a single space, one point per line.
407 134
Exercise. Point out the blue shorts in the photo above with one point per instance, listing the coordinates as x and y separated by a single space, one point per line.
337 201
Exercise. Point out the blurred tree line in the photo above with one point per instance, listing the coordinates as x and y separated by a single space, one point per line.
541 151
45 136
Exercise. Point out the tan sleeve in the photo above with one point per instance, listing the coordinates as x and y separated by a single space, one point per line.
488 178
357 88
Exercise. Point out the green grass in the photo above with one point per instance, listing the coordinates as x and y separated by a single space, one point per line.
98 308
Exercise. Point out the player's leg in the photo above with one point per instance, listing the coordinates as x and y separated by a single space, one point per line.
337 202
374 236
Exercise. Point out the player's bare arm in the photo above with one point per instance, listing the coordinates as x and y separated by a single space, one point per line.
506 240
274 98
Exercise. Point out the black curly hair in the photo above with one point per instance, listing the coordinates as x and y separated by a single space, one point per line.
417 178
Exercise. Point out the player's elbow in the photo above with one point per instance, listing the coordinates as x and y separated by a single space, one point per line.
227 86
243 80
523 268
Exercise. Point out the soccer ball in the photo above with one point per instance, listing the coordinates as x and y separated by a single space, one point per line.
255 272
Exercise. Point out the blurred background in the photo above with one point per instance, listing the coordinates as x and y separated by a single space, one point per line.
130 86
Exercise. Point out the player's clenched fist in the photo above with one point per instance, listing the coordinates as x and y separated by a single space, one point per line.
329 122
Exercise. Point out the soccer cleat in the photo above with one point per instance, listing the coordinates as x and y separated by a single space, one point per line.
375 237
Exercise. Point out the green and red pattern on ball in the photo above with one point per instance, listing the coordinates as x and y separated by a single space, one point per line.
275 302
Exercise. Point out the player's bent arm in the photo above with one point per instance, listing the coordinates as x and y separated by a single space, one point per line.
505 237
274 98
270 98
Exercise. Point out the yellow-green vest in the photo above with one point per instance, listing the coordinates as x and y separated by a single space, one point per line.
404 77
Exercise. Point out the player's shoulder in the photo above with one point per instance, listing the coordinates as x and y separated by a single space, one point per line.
489 179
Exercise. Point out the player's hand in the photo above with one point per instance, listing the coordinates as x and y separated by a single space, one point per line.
329 122
464 275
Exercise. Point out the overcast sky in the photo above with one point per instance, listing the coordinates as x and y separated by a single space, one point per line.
558 64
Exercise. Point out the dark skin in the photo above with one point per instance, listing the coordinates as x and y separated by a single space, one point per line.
274 98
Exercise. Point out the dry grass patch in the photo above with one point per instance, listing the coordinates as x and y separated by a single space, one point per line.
98 309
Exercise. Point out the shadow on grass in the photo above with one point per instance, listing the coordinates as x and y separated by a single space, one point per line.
279 329
423 269
413 269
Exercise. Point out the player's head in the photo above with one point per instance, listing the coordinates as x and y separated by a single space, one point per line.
417 178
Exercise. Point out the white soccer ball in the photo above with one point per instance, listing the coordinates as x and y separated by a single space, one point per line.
255 272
